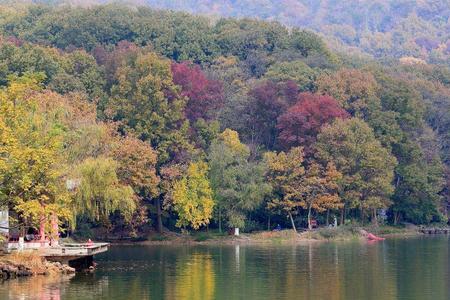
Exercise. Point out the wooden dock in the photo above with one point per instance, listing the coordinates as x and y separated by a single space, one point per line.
79 256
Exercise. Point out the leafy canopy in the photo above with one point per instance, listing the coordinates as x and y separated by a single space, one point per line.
192 197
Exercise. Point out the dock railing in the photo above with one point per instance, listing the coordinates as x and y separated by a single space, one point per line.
76 249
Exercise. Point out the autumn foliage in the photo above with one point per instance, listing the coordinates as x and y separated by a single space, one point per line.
204 96
154 118
301 123
267 101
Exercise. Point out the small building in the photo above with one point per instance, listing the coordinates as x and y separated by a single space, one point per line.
4 222
26 238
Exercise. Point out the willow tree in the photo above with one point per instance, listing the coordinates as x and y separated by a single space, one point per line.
100 192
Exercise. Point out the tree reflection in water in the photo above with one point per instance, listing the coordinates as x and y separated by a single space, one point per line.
194 278
416 268
38 287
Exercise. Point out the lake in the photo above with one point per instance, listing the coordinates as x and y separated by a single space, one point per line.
413 268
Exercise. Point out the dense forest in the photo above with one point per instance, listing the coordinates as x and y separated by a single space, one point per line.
381 28
123 119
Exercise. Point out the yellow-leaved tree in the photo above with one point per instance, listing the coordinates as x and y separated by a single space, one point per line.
192 197
297 185
31 161
285 173
319 189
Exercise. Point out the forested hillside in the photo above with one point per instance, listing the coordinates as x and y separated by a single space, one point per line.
124 119
382 28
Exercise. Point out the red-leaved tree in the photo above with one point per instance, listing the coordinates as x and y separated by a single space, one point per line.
301 123
267 101
205 96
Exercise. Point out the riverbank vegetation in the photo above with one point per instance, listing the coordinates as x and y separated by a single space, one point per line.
286 236
23 264
119 121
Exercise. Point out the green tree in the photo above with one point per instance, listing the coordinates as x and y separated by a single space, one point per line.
147 103
100 193
296 71
401 127
80 73
367 167
419 182
237 182
354 89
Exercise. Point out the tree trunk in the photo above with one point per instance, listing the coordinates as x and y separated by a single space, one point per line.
328 218
309 218
292 221
375 220
396 217
159 226
268 224
362 215
220 220
41 229
343 215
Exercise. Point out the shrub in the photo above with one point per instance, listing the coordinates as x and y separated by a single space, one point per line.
202 236
159 238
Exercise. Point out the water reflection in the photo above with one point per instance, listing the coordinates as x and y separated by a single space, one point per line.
39 288
237 256
194 278
393 269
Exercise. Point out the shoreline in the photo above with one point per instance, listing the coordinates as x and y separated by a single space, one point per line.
321 235
29 264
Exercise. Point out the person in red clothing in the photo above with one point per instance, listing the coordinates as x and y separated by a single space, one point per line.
89 242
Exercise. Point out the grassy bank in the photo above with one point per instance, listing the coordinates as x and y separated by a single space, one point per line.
341 233
31 260
355 232
29 263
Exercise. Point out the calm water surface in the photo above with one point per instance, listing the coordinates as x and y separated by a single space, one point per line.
416 268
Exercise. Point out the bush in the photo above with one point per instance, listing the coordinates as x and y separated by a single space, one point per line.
84 230
332 233
159 238
202 236
251 226
329 233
